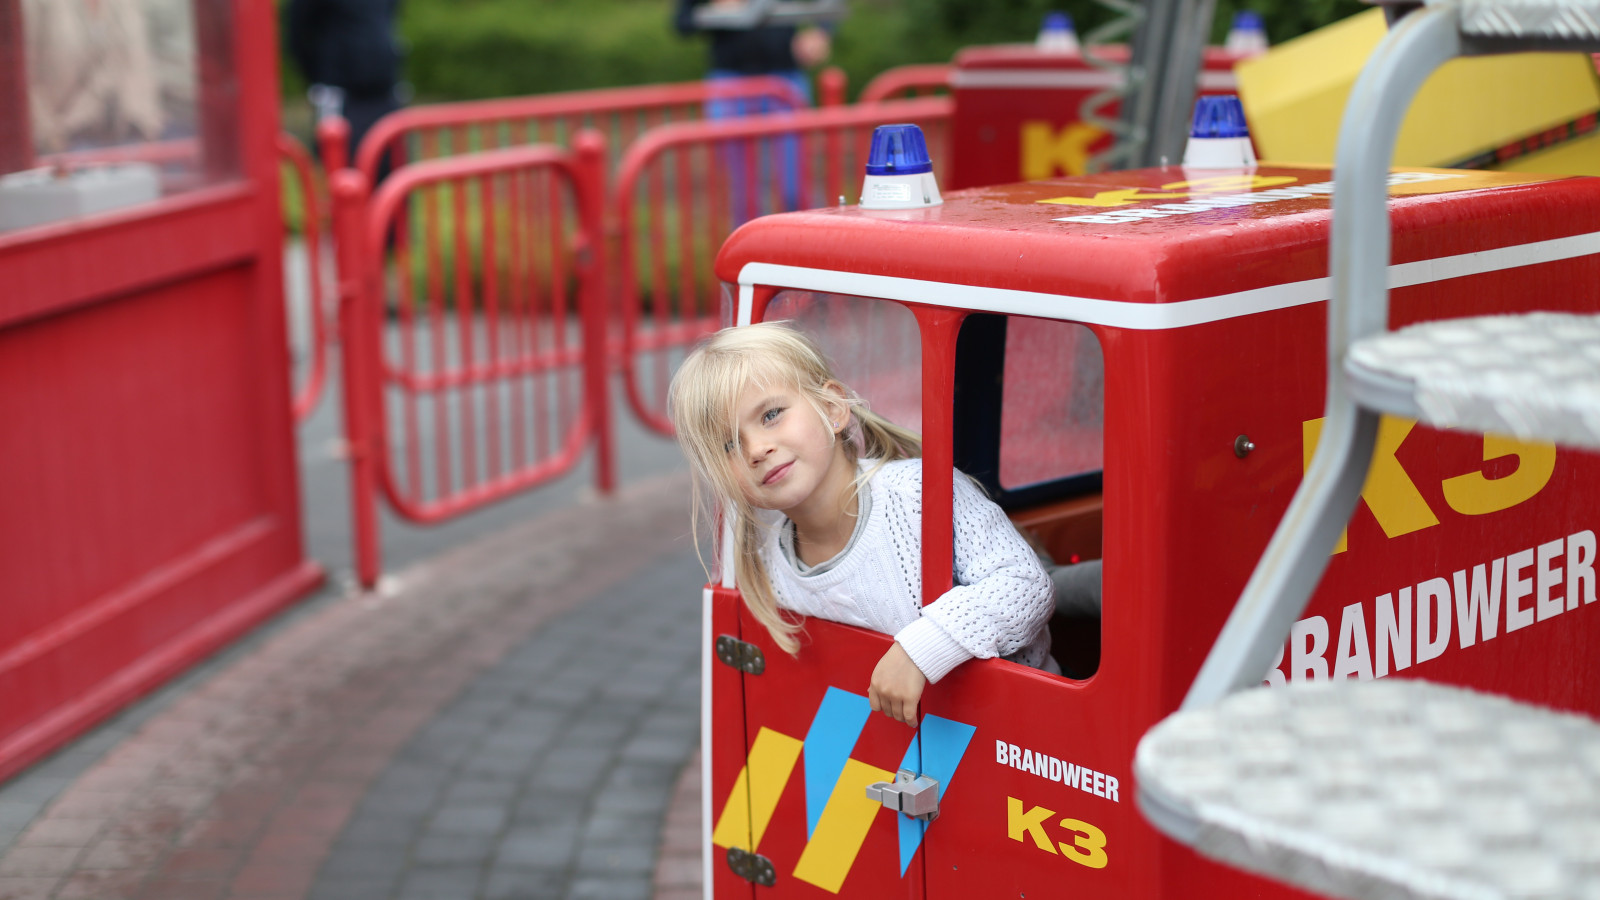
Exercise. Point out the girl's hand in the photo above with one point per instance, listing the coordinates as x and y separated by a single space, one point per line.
896 686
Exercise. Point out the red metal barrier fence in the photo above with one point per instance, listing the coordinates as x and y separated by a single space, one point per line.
621 114
295 156
474 311
908 81
682 189
474 353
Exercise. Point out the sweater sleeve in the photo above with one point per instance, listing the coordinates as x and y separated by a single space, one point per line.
1002 597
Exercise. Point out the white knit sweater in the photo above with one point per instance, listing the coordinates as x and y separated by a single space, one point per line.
999 607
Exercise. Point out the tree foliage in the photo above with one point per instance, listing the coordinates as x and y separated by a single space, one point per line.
466 49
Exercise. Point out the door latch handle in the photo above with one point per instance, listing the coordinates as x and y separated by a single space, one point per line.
914 795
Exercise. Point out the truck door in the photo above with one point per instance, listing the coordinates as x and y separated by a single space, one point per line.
813 748
1042 803
797 813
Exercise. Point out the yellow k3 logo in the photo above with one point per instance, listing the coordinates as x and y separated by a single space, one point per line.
1086 845
1392 495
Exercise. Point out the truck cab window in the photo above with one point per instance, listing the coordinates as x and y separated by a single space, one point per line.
874 345
1029 426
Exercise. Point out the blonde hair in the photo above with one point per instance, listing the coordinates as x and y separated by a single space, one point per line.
702 403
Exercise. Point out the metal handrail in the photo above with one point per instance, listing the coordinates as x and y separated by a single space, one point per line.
605 101
1290 569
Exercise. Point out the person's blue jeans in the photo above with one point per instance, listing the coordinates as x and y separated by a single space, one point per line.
749 164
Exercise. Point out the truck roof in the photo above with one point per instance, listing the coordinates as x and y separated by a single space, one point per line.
1152 235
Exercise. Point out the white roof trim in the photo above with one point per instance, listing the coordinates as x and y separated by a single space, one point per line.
1143 316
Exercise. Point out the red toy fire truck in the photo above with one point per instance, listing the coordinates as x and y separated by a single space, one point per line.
1133 365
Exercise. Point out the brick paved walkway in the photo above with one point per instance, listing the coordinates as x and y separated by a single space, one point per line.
511 721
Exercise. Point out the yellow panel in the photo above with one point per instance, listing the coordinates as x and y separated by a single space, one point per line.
1294 97
733 826
1580 156
755 793
843 827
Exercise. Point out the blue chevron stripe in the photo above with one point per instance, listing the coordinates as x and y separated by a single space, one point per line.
832 735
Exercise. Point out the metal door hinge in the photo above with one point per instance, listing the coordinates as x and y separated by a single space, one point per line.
915 795
742 656
752 867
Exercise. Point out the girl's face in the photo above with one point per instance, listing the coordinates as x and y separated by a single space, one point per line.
786 452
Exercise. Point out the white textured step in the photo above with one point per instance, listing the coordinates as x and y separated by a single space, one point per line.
1566 20
1533 376
1392 788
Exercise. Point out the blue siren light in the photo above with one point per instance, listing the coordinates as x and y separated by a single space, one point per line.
1219 117
898 150
1248 20
1057 21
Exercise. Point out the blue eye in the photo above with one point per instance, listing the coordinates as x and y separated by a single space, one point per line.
770 415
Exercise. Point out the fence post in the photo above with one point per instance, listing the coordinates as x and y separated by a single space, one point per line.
590 147
831 86
292 152
349 191
333 144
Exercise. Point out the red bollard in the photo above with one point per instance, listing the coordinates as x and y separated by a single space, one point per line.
349 191
333 143
831 85
590 147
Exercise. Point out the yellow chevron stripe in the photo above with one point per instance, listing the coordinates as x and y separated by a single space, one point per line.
755 793
842 829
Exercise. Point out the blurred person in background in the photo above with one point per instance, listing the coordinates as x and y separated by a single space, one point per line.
349 53
92 74
783 51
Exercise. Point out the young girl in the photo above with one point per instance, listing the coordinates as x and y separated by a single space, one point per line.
825 499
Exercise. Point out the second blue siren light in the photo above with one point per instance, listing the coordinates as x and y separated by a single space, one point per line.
1219 137
1056 34
1248 35
899 172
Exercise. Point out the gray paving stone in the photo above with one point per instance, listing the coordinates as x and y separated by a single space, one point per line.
370 829
529 731
18 813
471 791
411 804
583 775
526 884
498 765
512 743
368 863
453 849
410 776
550 774
638 801
441 883
648 776
597 858
610 889
474 820
658 749
353 889
616 829
537 847
600 729
550 805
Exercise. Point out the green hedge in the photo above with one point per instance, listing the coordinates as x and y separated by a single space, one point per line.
467 49
462 49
